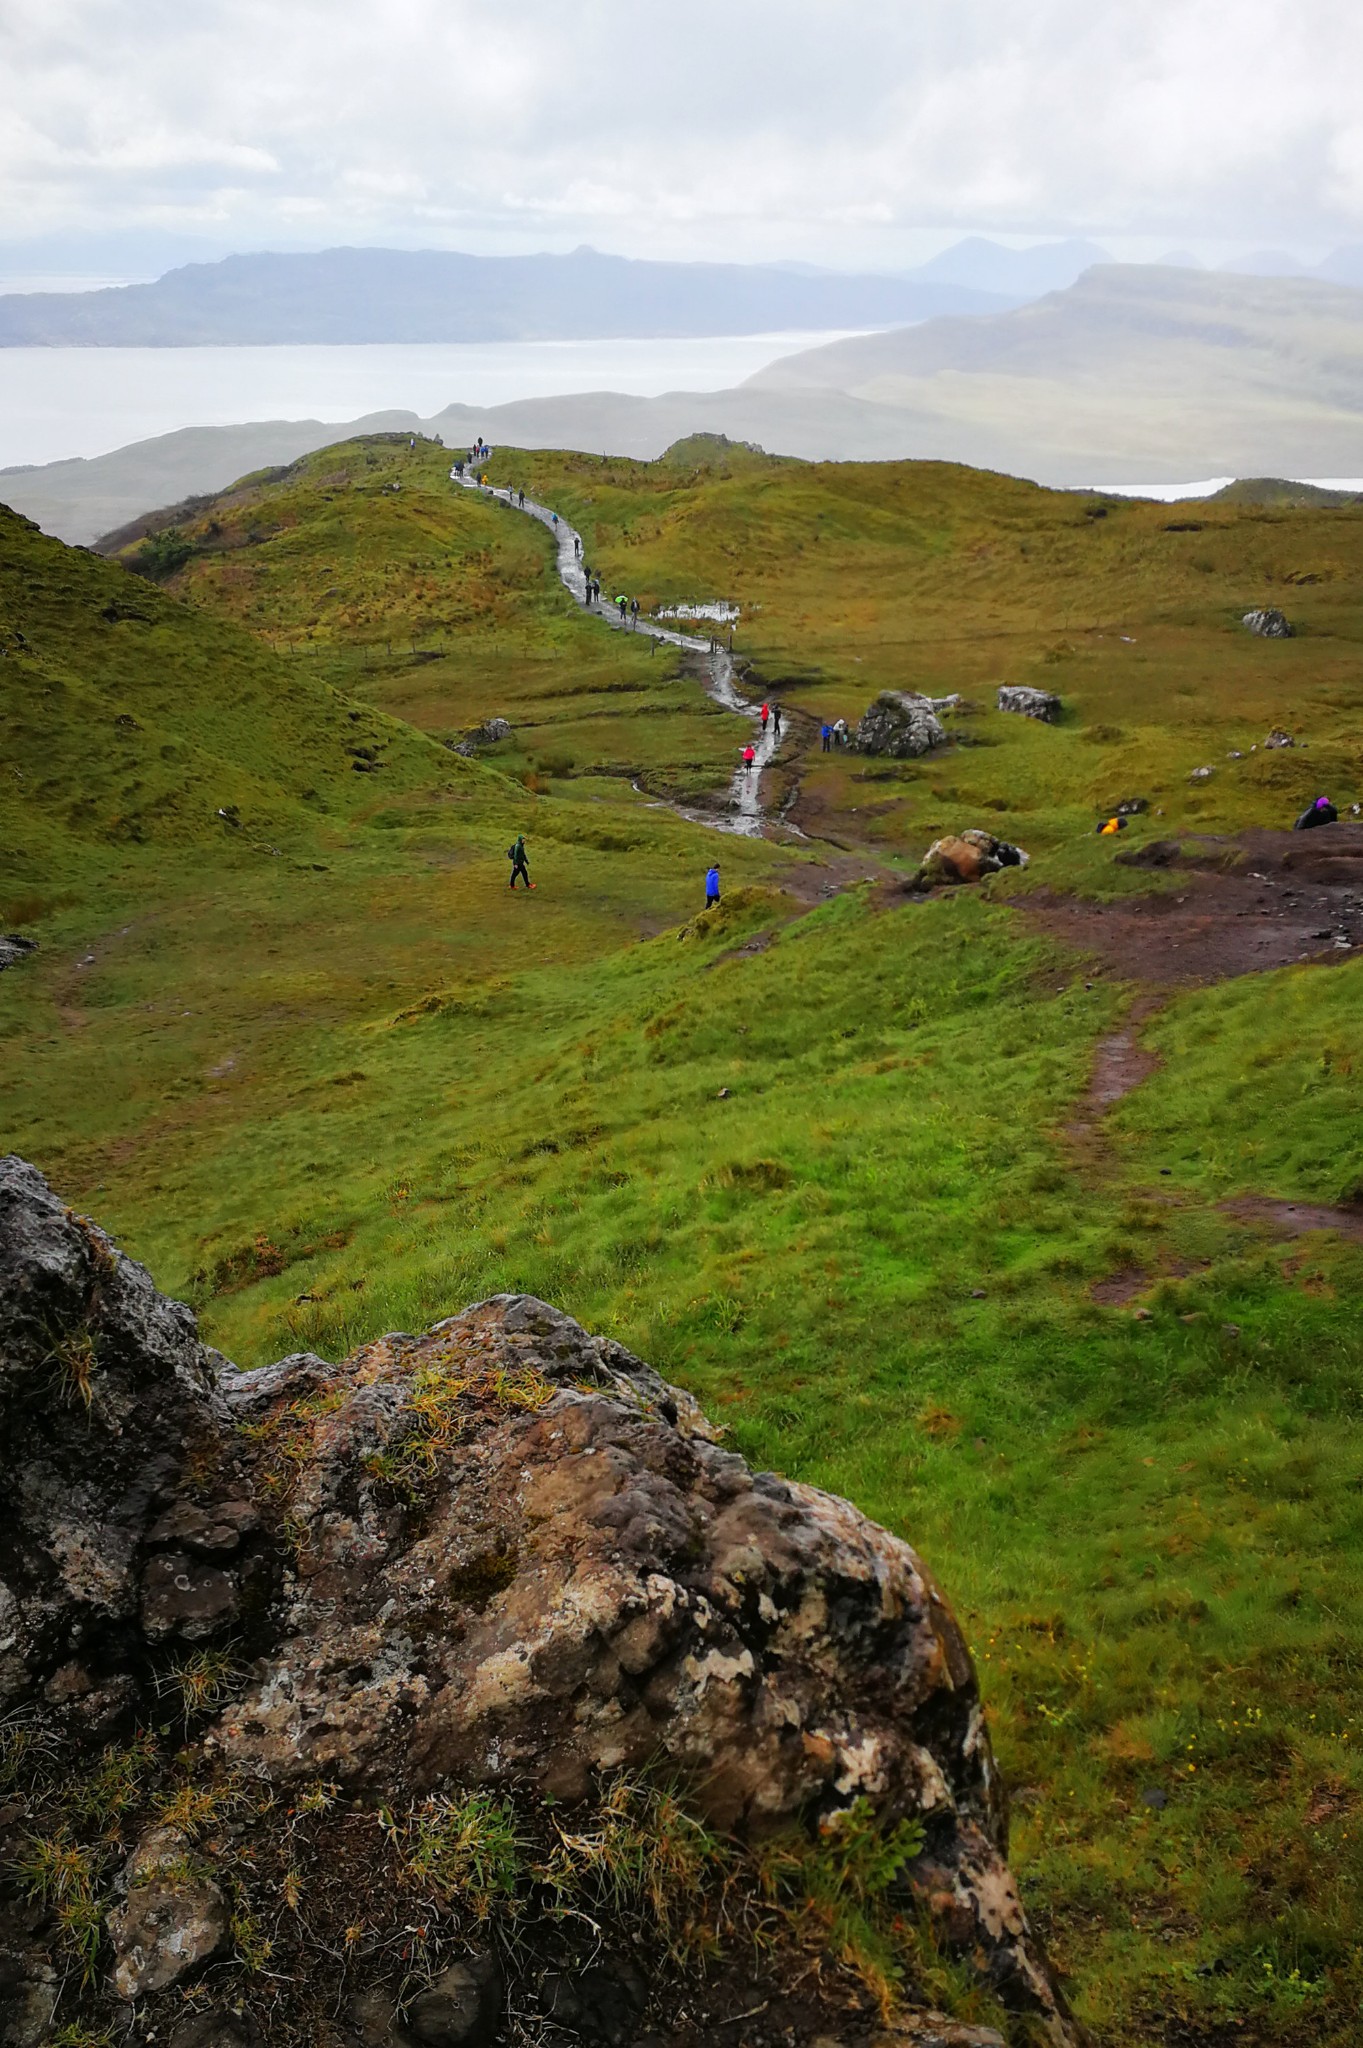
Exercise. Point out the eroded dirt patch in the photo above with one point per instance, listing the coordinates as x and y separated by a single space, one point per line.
1130 1282
1241 906
1295 1219
1121 1064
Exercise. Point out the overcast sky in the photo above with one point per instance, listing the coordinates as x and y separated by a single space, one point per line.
852 132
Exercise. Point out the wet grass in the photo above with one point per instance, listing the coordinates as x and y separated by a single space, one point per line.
328 1077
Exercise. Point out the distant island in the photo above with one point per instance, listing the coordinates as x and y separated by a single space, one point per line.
401 295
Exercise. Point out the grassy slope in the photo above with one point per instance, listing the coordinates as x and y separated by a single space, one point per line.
326 1104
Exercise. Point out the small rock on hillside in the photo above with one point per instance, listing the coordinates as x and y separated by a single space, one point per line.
464 1587
900 724
488 734
14 948
1031 703
1269 623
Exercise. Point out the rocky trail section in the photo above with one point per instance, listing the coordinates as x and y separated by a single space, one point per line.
745 812
476 1587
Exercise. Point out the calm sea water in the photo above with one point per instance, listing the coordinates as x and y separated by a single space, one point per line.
57 402
1205 488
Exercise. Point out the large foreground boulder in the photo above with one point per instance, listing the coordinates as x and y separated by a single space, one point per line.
967 856
901 725
438 1599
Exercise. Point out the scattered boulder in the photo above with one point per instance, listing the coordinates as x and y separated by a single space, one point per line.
1029 702
1269 623
485 735
1279 738
1201 775
1130 807
901 725
173 1920
965 857
14 948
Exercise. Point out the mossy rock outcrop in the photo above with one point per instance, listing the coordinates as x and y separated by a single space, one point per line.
332 1676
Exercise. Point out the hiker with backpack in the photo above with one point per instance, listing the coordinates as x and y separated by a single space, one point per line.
519 864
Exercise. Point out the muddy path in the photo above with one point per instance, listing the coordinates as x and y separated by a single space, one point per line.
1240 906
744 811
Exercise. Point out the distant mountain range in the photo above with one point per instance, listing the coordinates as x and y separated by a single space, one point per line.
1135 374
399 295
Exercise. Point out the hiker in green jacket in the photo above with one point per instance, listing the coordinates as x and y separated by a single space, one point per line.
519 865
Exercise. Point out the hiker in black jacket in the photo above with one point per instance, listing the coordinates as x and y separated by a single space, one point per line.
519 865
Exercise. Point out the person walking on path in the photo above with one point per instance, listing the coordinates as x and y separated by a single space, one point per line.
826 735
776 719
712 886
840 731
749 755
634 614
623 603
521 501
519 864
766 714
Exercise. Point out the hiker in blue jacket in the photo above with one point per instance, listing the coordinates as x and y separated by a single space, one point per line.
712 886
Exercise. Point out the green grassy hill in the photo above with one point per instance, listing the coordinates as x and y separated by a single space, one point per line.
821 1155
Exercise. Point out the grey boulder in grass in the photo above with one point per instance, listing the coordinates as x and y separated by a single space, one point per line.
1030 702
